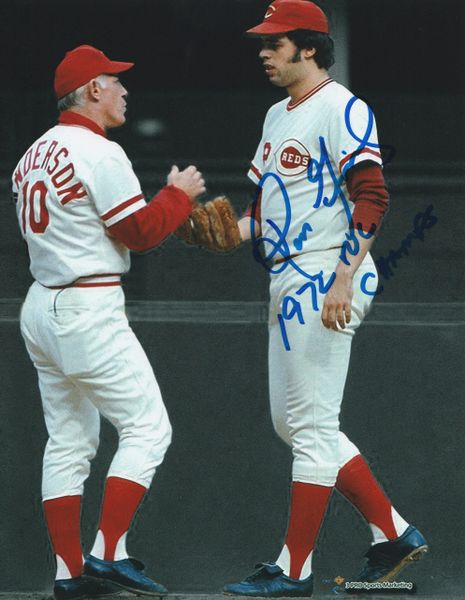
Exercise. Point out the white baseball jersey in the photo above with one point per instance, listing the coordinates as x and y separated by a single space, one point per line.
70 185
328 130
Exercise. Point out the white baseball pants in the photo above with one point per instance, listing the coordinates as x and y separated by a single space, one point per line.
90 363
307 382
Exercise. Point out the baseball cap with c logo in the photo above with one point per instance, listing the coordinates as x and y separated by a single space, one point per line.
287 15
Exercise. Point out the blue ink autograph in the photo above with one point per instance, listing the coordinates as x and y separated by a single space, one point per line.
302 237
421 222
316 168
280 257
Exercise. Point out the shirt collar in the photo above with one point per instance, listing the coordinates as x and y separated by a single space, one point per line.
69 117
291 105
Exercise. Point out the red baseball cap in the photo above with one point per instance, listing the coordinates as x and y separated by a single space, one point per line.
288 15
81 65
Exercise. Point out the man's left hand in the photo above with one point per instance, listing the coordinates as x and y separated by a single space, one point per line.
338 303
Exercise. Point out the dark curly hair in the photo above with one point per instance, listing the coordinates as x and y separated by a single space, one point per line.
322 42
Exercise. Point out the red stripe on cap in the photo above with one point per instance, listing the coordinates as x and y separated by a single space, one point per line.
121 207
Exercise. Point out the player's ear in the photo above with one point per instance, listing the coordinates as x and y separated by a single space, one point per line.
308 53
94 89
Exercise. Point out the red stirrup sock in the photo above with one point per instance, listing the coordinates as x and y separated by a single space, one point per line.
121 500
63 516
308 505
357 483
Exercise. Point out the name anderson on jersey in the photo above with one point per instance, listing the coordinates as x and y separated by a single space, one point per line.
52 159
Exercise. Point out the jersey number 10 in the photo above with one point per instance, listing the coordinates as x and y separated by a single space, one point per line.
35 197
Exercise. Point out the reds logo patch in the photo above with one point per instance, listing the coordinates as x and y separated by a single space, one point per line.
292 158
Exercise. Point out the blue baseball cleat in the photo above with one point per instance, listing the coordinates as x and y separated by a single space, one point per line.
387 559
82 587
270 582
127 574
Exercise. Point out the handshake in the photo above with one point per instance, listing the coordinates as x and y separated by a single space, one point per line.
212 225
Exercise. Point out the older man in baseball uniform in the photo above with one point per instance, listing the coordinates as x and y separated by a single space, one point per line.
319 171
81 210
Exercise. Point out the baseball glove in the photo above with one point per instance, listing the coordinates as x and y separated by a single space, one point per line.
212 225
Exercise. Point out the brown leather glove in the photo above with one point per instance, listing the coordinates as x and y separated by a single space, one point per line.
212 225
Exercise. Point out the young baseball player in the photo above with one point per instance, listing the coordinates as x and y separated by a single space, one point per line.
81 210
319 170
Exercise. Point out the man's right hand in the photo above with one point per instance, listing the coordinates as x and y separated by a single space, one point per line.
189 181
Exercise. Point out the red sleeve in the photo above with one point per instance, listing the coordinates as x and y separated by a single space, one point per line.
367 190
258 207
149 226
